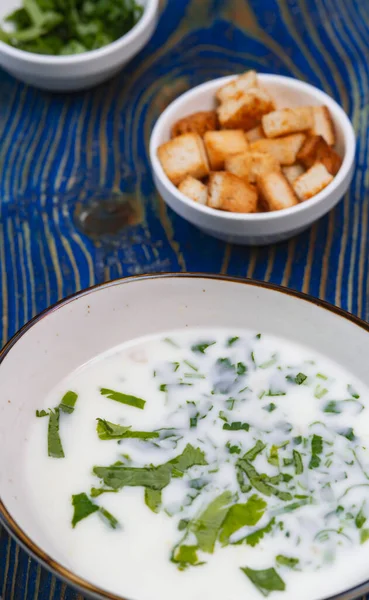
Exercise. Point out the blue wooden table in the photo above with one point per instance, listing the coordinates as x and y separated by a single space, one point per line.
78 205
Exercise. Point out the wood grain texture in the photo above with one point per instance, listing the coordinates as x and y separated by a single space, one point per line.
64 159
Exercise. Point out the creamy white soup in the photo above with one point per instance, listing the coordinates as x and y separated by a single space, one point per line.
206 464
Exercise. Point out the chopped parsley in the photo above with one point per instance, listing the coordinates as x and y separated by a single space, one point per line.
202 347
123 398
266 580
110 431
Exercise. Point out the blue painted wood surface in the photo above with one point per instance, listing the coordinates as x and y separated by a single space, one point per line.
62 155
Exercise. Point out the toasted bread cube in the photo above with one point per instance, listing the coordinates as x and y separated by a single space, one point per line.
293 172
284 149
312 182
199 122
255 134
238 86
246 111
323 124
194 189
287 121
250 165
275 191
182 156
229 192
315 149
222 144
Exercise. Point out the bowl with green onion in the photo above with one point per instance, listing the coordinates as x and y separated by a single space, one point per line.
63 45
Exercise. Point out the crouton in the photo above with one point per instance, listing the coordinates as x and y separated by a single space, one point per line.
250 165
237 87
182 156
323 124
275 191
287 121
194 189
255 134
229 192
312 182
246 111
199 122
222 144
315 149
293 172
284 149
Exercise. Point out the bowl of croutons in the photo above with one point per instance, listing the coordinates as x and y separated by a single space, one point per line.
253 159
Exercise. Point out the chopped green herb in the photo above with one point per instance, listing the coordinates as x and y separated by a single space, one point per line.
275 393
68 402
270 407
347 433
233 449
118 476
268 363
236 426
207 526
256 480
258 336
254 451
109 518
96 492
230 403
316 449
241 368
364 536
168 340
360 519
232 341
266 580
297 461
352 391
191 365
202 347
59 28
273 456
153 499
240 515
297 440
320 392
321 376
109 431
293 506
193 422
55 448
83 507
252 539
42 413
299 379
123 398
183 524
185 556
286 561
332 407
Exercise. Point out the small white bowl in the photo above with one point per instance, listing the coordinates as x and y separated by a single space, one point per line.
259 228
81 327
79 71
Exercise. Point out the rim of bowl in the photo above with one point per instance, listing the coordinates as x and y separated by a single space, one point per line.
12 526
42 59
347 163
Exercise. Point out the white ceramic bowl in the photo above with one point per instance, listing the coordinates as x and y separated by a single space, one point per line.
81 327
80 71
259 228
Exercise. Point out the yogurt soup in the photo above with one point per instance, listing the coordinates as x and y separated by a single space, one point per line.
207 464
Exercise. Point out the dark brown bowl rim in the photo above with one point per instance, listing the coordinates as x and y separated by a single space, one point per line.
10 524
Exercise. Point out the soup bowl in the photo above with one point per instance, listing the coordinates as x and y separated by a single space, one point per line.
81 327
